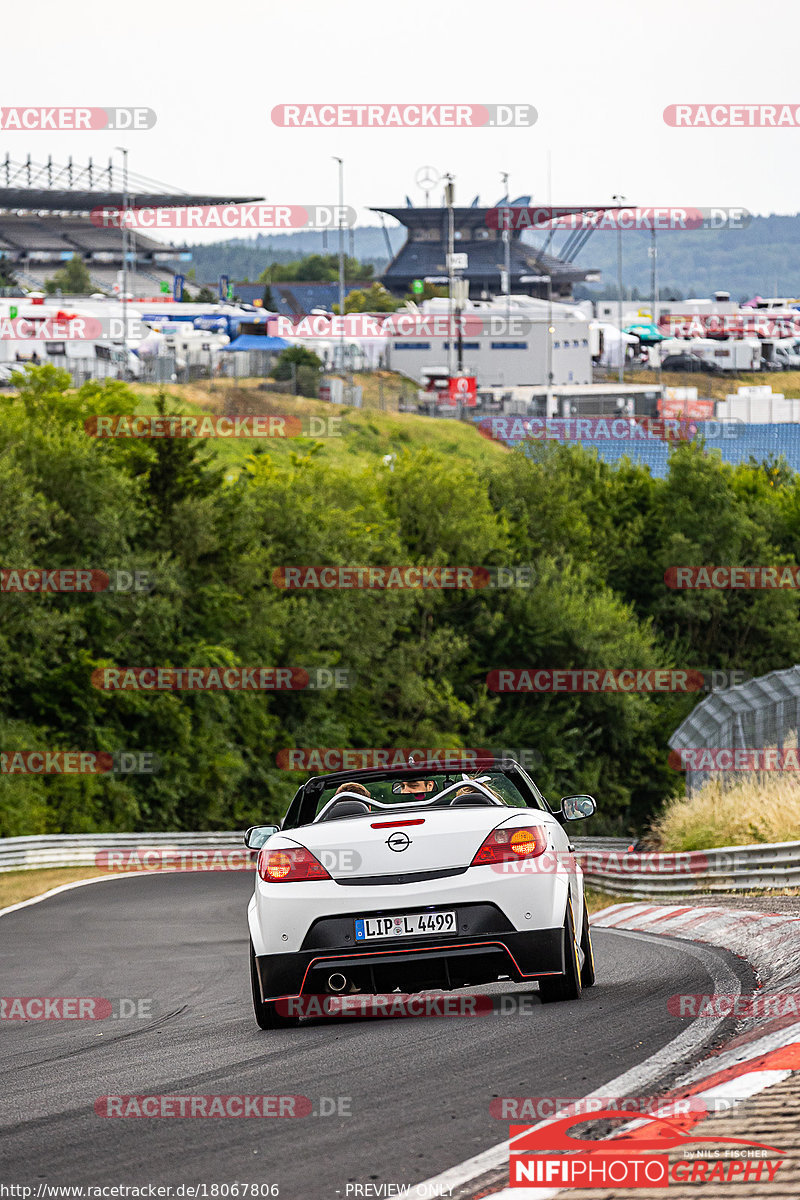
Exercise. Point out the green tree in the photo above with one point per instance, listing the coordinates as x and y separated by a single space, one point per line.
372 299
315 268
429 291
7 277
72 280
297 356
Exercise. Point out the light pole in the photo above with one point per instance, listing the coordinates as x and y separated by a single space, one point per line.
507 248
124 154
341 262
618 200
451 238
550 331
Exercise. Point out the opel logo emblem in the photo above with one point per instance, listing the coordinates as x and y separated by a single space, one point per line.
398 842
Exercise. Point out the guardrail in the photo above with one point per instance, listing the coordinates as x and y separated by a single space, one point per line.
607 863
81 849
772 866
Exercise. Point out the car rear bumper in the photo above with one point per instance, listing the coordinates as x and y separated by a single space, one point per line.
419 964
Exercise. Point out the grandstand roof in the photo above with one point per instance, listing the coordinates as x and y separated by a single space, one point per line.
71 200
426 256
69 187
430 216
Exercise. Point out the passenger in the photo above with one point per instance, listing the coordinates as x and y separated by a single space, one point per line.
478 794
353 787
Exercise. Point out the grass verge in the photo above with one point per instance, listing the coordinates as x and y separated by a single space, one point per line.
360 438
749 810
24 885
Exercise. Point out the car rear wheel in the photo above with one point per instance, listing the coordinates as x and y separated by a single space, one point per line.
568 985
266 1011
588 978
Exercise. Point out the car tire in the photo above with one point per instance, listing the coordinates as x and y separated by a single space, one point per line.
266 1011
568 985
588 978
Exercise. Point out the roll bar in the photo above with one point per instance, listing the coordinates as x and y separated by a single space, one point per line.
477 784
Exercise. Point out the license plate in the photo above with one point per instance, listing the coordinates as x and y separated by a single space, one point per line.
406 925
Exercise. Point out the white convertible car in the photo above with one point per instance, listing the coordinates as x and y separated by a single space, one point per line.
411 879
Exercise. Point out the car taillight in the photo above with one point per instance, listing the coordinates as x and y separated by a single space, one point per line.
289 866
511 844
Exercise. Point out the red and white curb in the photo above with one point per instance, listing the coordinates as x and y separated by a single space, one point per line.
765 1054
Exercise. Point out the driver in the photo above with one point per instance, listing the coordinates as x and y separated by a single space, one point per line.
416 789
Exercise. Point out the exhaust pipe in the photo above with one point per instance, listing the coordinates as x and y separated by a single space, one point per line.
337 982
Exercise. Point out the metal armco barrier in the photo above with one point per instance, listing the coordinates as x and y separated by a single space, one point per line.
726 869
607 863
80 849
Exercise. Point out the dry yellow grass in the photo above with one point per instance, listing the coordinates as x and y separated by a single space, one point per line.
596 900
757 808
24 885
719 386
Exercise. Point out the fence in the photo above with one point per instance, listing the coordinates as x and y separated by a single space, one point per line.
771 867
81 849
166 368
761 713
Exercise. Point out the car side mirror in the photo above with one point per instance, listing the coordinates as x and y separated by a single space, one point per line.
258 834
575 808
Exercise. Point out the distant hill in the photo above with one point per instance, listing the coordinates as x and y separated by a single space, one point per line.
763 258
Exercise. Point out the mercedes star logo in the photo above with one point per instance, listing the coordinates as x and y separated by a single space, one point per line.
427 178
398 842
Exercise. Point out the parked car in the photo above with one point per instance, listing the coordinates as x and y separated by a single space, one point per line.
688 362
788 357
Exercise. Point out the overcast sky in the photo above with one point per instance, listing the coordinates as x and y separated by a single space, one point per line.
599 75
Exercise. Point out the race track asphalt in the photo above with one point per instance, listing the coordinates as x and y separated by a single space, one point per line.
418 1090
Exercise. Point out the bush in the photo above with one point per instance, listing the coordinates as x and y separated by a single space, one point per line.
757 808
294 357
